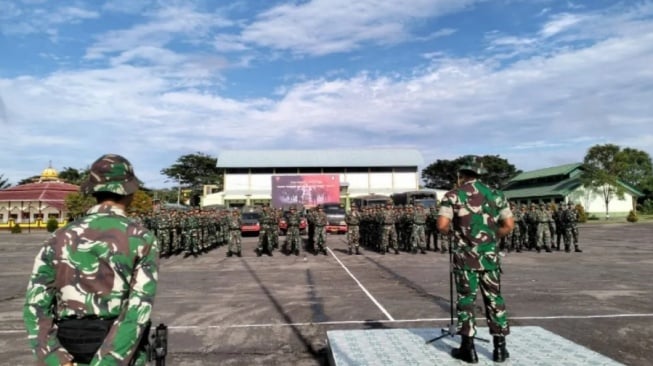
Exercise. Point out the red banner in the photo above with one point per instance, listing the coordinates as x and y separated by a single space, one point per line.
307 190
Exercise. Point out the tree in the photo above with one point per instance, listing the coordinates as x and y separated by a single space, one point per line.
601 171
73 176
4 182
77 204
195 170
443 174
636 168
31 179
141 204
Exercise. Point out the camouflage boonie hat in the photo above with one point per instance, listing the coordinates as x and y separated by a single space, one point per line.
473 164
111 173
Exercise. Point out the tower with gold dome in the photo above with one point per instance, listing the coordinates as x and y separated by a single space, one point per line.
49 174
32 204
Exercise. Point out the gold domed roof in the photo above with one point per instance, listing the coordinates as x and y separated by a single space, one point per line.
49 174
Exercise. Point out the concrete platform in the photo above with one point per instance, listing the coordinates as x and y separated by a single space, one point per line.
531 346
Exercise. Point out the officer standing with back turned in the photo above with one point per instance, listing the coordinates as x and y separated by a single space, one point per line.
480 216
91 291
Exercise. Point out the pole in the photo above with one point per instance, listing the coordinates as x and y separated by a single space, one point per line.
178 189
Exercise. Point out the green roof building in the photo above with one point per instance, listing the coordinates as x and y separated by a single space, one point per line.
562 184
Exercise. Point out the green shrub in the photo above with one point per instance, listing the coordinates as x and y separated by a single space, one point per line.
646 207
582 215
16 229
52 225
632 216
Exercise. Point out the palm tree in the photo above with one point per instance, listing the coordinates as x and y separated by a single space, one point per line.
4 182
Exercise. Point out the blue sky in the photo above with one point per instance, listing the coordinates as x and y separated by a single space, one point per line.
535 81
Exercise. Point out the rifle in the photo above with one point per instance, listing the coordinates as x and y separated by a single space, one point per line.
159 345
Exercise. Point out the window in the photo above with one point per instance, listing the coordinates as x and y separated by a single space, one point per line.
285 170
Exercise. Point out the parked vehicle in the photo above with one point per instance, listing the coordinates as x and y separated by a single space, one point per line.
335 218
283 224
250 223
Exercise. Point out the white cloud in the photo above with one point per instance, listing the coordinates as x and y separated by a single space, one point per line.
322 27
163 25
37 19
560 23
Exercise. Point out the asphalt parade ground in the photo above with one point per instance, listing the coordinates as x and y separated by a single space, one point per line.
277 310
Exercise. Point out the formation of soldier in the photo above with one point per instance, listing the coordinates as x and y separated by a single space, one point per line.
543 227
410 228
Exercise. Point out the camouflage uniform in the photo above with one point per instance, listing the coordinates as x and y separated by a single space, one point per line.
389 234
431 230
293 239
353 221
417 239
102 265
320 230
475 209
543 229
571 228
235 222
265 241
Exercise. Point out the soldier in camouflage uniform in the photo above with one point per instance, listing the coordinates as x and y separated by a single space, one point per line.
99 269
321 223
514 239
543 229
353 221
570 221
389 234
558 214
480 216
235 222
417 237
265 241
431 229
293 239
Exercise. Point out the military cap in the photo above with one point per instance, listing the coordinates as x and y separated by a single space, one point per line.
111 173
473 164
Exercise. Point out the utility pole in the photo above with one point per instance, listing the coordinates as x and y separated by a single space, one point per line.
178 188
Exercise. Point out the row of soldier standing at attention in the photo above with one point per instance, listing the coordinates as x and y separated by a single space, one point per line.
93 284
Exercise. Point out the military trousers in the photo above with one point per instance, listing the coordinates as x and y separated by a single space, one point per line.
389 238
353 236
468 283
234 241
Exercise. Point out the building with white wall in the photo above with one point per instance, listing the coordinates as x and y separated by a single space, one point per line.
248 173
562 184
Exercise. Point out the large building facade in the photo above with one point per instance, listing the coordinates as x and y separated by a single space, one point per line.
248 173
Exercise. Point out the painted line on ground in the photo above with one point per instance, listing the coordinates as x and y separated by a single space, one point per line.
383 310
382 321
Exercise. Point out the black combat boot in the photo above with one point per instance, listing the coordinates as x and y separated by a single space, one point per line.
577 249
358 252
229 254
258 252
500 352
239 254
567 249
547 249
350 251
466 352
